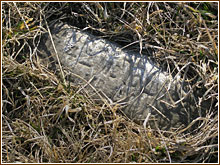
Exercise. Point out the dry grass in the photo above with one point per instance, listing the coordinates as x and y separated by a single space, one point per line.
46 120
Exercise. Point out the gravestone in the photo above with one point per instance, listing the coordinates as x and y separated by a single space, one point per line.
125 77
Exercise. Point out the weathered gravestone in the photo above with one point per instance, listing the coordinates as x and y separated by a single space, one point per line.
124 77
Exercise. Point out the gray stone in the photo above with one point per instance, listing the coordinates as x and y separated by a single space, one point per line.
125 77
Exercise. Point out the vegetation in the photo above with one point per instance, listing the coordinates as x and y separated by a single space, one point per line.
45 120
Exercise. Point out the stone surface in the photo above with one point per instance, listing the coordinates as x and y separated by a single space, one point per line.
125 77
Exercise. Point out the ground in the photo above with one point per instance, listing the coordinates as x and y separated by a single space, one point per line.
44 120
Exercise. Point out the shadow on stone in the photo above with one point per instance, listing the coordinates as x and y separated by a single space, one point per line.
125 77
